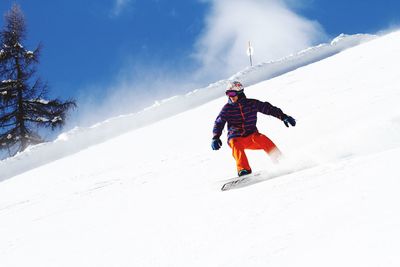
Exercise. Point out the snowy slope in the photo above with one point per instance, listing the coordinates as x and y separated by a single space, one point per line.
150 197
81 138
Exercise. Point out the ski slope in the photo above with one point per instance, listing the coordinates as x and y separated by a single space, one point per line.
81 138
150 196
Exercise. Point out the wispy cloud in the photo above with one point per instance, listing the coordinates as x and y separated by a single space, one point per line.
119 7
272 27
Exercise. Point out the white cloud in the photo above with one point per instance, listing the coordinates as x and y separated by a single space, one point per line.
272 27
119 6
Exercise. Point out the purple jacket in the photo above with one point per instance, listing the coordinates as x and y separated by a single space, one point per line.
242 117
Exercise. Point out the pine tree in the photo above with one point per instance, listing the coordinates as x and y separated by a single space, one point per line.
23 104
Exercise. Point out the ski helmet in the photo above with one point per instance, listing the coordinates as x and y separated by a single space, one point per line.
234 88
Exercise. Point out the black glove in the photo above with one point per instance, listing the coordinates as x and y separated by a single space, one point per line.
289 120
216 143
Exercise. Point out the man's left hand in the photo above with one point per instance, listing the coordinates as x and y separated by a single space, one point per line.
289 120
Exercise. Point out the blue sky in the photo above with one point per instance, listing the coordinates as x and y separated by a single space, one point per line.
121 55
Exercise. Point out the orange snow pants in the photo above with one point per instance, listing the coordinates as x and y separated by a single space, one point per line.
253 141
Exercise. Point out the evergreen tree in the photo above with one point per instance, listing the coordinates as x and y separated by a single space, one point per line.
23 104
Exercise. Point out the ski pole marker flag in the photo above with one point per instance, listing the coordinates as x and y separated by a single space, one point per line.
250 52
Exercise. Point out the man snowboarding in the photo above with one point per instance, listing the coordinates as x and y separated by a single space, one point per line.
241 115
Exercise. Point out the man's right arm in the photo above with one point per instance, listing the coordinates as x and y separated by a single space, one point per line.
219 125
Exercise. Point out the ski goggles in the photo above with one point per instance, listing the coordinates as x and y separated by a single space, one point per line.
232 93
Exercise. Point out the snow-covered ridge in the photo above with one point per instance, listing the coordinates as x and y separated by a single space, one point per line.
80 138
307 56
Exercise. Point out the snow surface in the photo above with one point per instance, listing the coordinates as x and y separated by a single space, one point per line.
81 138
150 197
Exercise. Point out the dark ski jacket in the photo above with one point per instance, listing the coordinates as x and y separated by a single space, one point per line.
242 117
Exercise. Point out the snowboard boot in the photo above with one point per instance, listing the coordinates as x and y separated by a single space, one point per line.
244 172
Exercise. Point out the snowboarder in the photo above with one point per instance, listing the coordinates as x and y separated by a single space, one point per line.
241 115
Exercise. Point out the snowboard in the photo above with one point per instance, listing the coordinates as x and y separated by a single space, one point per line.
240 181
263 175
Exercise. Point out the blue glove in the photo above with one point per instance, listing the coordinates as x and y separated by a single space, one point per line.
216 143
289 120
